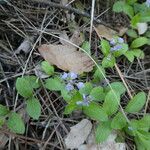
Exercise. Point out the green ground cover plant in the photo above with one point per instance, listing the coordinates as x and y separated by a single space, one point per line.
98 98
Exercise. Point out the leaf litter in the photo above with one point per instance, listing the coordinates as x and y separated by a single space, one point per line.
66 56
82 133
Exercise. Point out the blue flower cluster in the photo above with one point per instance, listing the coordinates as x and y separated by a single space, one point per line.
71 82
116 44
148 3
69 78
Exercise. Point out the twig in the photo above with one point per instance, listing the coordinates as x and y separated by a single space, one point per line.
124 82
91 24
69 8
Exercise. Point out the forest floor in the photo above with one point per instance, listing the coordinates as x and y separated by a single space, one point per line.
31 19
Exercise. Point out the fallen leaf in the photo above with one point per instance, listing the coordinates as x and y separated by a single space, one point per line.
66 57
109 144
78 134
142 28
105 32
25 46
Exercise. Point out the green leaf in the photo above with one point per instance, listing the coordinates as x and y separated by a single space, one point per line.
105 47
117 87
33 81
135 20
24 88
15 123
103 130
65 94
119 121
138 53
72 103
2 121
118 6
98 75
108 62
47 68
131 2
54 84
111 103
33 108
130 56
132 33
70 108
142 124
95 112
121 51
144 138
145 122
139 42
131 128
137 103
121 6
86 47
3 110
145 17
97 94
86 89
139 145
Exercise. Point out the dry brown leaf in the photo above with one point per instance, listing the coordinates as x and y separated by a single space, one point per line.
105 32
78 134
109 144
25 46
66 57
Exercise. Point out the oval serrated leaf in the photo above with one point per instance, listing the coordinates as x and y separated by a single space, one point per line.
33 108
33 81
95 112
86 47
15 123
111 102
54 84
117 87
102 131
139 42
47 68
130 56
105 47
108 62
119 121
137 103
24 88
97 94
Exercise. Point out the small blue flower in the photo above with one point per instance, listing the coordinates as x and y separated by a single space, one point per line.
80 85
116 48
113 41
148 3
120 40
64 76
73 75
69 87
86 101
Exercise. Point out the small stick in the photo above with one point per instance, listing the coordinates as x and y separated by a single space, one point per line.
69 8
124 82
